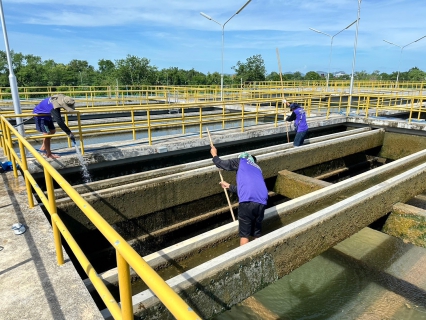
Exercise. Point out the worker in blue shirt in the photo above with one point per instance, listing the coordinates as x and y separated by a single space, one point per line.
298 115
251 190
50 111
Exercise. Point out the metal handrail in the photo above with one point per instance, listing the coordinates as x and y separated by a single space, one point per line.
365 104
126 256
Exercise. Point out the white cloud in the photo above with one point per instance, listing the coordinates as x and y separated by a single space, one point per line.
173 33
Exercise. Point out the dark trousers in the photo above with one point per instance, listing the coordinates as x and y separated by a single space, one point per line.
299 138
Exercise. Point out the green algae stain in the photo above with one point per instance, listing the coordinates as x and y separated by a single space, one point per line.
408 227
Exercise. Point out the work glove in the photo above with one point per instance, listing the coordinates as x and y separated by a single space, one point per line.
284 101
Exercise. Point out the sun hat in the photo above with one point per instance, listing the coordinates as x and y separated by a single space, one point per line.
62 101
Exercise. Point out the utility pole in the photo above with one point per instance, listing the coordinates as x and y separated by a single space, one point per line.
12 78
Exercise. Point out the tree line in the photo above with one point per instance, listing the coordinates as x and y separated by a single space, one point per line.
32 71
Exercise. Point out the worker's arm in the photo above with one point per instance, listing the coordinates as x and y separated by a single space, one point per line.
228 165
292 117
228 186
56 115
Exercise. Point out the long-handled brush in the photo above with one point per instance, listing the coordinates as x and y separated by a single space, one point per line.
282 87
221 179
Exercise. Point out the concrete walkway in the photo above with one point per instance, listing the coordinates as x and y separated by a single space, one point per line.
32 285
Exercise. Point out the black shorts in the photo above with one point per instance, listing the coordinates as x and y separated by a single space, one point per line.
250 217
44 125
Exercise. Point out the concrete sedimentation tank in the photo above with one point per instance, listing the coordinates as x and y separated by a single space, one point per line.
348 176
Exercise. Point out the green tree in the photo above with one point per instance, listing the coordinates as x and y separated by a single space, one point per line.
297 76
195 77
54 73
134 70
345 77
312 75
361 75
415 74
253 70
213 78
106 74
384 76
273 76
31 73
79 72
375 75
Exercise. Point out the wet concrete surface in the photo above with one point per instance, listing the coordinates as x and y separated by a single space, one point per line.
32 285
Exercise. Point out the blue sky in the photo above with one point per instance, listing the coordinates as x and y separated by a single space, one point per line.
172 33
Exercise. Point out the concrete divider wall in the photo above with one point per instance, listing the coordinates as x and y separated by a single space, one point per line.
114 152
141 198
293 185
280 215
228 279
142 176
408 223
397 146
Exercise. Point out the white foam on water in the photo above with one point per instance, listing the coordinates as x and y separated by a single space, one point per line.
85 172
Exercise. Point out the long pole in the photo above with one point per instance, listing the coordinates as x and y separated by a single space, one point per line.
221 179
282 88
221 72
353 62
12 79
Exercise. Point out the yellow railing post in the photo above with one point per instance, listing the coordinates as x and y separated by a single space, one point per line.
257 112
328 107
276 114
183 120
366 107
148 119
378 105
52 210
242 117
420 108
411 110
125 288
24 167
132 112
9 144
223 115
201 121
2 141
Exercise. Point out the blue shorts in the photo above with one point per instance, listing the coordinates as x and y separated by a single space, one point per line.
44 125
250 217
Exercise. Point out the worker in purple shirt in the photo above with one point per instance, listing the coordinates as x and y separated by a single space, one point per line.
50 108
298 115
251 190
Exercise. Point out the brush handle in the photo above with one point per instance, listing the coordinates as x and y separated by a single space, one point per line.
221 179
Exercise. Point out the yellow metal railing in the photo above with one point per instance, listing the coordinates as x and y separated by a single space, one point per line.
92 96
242 110
255 105
126 256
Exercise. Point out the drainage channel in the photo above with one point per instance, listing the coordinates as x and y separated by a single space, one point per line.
214 286
224 244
